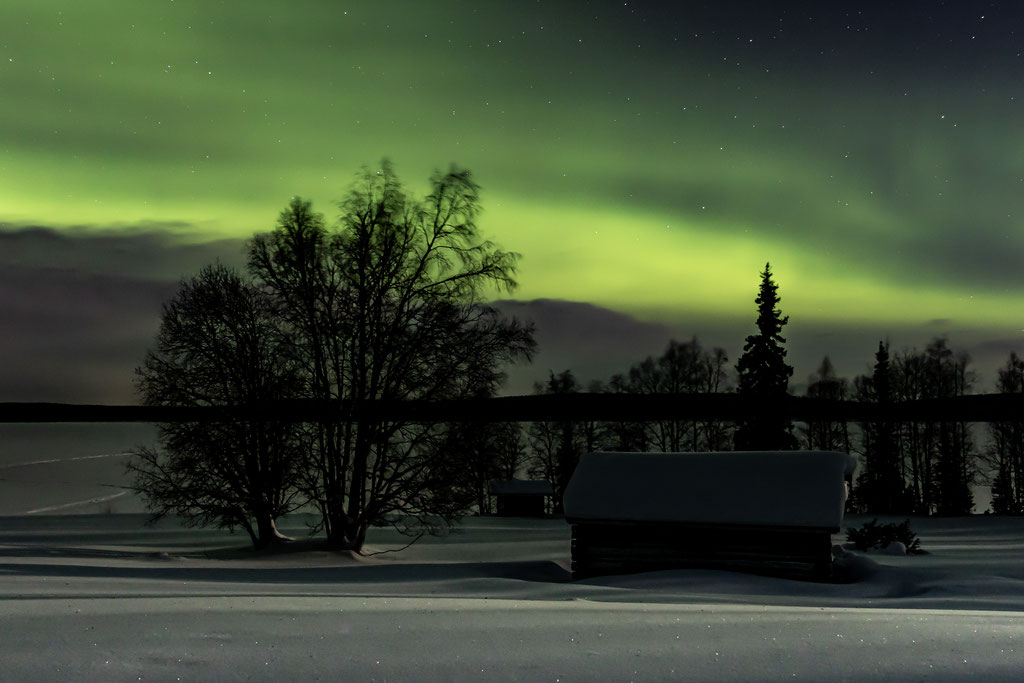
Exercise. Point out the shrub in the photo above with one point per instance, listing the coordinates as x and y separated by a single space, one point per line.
875 535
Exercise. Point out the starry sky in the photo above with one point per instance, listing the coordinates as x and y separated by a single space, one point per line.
645 158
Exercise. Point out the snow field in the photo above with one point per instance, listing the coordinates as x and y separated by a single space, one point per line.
101 597
87 592
448 638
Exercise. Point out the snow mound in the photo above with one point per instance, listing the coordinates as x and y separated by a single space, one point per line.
771 488
895 548
851 567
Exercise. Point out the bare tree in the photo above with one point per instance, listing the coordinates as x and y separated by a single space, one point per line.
389 306
555 447
629 437
1008 446
683 368
218 346
825 434
881 486
476 453
510 449
956 456
939 458
543 439
714 378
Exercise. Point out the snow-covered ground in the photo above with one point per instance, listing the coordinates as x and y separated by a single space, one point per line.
99 596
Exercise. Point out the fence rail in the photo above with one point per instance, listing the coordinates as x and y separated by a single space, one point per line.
553 408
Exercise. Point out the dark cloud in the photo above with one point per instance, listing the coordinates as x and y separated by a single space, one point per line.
592 341
78 309
73 336
166 251
596 343
970 257
988 356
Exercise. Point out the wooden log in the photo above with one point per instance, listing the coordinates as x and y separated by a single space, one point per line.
622 547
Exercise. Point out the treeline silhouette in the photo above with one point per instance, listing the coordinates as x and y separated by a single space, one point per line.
353 368
921 461
911 423
727 407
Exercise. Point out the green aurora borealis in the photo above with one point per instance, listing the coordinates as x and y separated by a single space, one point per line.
644 157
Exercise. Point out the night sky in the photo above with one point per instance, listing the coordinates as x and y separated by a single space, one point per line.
645 158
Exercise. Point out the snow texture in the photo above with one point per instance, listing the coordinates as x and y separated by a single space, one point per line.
771 488
895 548
99 596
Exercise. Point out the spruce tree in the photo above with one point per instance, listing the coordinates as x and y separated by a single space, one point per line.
764 376
826 434
1002 492
956 457
1008 445
554 445
880 487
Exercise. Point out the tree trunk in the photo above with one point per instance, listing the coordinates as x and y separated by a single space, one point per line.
354 535
253 536
266 529
347 533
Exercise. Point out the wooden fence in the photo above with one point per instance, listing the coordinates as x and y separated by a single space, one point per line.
547 407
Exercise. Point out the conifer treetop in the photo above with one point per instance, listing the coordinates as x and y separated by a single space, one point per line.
769 322
881 376
764 373
762 367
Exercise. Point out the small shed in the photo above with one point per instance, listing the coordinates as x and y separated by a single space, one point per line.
521 497
768 512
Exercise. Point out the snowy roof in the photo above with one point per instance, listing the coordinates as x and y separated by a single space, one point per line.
773 488
520 487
